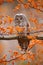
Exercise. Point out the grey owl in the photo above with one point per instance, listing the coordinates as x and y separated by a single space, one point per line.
20 20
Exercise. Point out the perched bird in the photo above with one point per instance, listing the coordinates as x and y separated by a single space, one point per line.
21 21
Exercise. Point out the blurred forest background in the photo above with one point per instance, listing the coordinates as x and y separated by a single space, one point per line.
6 9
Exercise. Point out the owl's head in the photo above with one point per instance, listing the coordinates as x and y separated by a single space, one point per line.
20 19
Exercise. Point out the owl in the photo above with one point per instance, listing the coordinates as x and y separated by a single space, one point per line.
21 21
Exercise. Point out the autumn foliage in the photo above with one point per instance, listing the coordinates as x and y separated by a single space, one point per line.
36 5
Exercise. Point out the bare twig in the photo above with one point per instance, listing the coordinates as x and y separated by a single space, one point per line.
31 47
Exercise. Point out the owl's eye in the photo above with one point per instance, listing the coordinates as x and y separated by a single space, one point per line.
16 18
21 18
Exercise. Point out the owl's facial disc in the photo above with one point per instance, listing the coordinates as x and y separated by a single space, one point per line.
19 19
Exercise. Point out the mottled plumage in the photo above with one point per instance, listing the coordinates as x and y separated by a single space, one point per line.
21 20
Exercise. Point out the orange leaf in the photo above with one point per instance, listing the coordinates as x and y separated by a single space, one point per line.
20 1
19 29
0 22
11 29
17 8
15 53
4 57
26 5
28 63
10 1
1 1
29 0
3 30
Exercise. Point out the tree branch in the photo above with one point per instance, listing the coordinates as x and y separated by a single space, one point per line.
36 32
34 7
1 60
16 37
30 5
39 38
8 38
